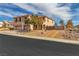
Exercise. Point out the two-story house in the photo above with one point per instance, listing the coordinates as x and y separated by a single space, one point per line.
40 22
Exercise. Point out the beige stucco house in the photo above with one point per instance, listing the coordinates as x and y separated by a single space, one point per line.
43 21
48 22
1 24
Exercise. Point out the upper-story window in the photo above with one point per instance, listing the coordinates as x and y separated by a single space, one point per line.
25 17
19 19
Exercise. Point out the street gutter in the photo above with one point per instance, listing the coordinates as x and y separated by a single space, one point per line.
43 38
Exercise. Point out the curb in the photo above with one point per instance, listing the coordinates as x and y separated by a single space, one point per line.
45 38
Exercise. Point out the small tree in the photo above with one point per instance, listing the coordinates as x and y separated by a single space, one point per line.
35 21
27 21
69 25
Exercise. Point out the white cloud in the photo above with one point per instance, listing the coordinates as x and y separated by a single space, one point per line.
53 9
14 13
11 13
76 12
6 14
49 9
26 7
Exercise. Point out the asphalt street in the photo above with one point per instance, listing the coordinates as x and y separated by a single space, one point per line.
19 46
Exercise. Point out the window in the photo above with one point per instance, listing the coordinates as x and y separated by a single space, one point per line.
25 17
20 19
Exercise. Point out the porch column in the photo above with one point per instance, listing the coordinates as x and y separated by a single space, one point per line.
22 23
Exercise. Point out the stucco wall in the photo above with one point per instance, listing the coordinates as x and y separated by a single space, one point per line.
48 22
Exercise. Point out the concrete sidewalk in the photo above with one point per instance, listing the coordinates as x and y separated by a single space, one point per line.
14 33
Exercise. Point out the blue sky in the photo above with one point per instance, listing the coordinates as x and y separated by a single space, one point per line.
56 11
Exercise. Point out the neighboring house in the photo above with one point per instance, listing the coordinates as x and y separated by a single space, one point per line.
1 24
37 22
12 25
7 24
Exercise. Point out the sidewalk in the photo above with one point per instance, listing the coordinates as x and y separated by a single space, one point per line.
13 33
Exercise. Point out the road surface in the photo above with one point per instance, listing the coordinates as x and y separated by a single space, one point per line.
19 46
